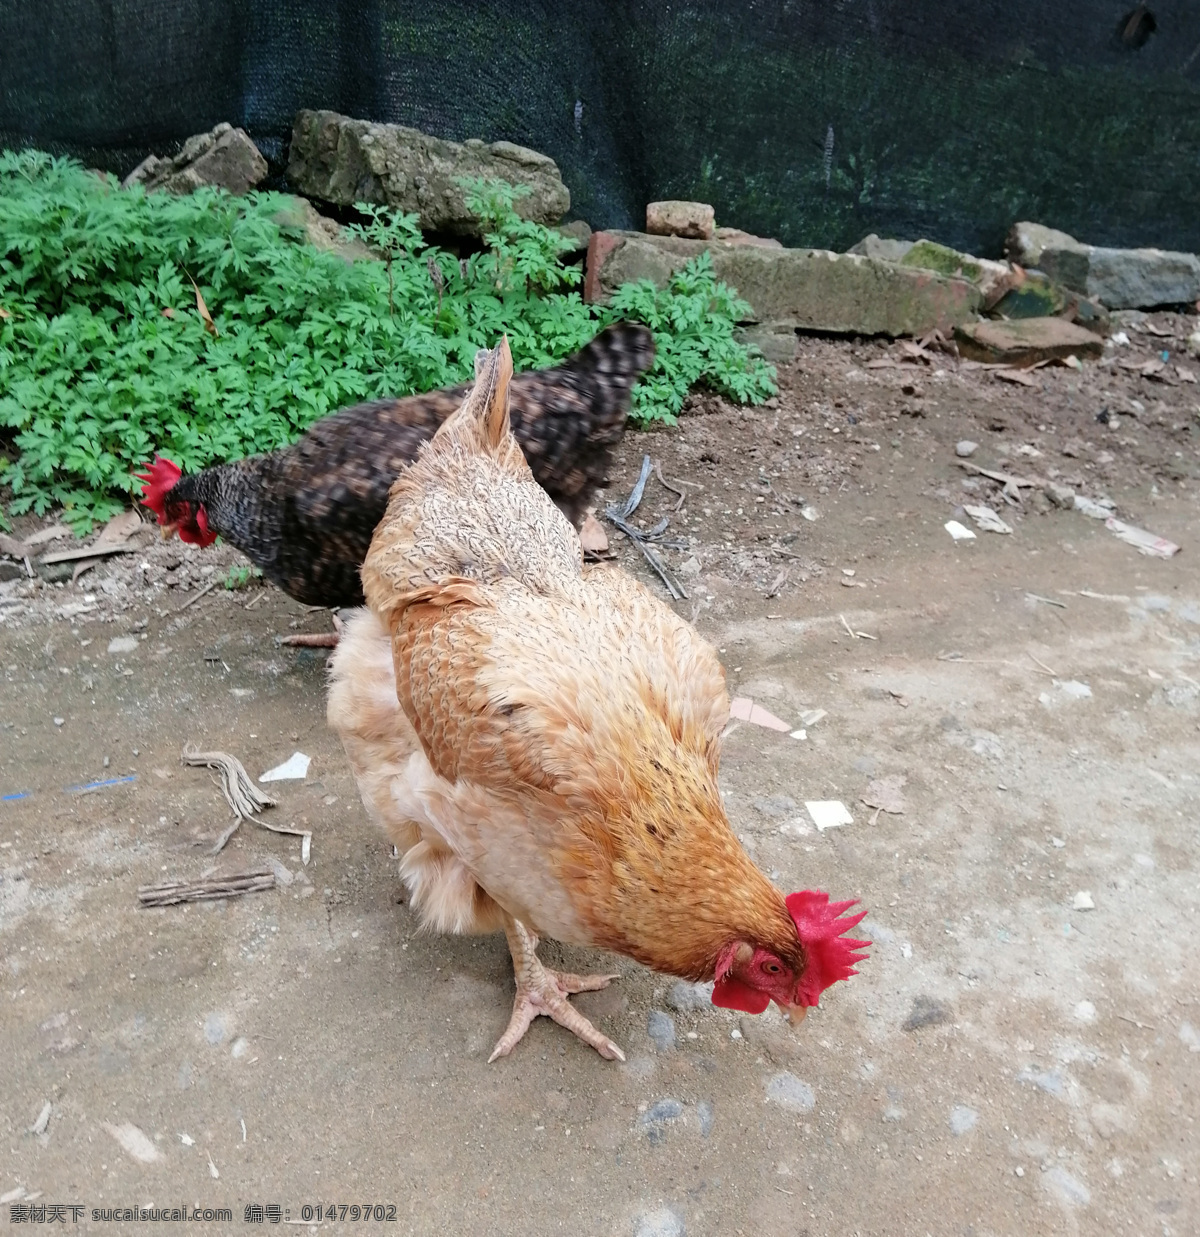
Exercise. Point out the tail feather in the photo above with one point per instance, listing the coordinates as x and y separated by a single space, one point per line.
496 425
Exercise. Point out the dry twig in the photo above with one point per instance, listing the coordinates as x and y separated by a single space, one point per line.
231 886
195 597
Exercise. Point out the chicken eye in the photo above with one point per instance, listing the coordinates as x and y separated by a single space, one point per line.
772 967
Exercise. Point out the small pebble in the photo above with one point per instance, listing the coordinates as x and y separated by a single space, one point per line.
791 1093
684 996
661 1223
966 448
661 1029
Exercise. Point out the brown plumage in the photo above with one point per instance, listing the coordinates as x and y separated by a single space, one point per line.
541 740
305 514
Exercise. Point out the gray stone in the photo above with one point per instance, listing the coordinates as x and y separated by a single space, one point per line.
926 1012
322 232
1060 495
776 343
1051 1081
791 1093
661 1223
775 806
1026 242
216 1031
735 236
686 997
1117 278
810 289
224 156
658 1117
1142 278
873 246
661 1029
123 644
704 1113
578 232
1067 1188
341 160
963 1119
965 449
10 571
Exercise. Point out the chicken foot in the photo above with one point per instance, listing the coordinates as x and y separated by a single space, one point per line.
541 990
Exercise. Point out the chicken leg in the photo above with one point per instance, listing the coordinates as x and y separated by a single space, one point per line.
543 991
317 640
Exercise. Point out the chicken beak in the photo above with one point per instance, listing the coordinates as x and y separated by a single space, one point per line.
167 531
795 1014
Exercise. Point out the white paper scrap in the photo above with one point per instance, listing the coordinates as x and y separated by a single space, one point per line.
295 766
828 813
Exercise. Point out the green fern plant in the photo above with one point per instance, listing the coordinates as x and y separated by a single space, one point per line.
106 355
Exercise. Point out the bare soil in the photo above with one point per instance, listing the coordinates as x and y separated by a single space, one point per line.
1004 1063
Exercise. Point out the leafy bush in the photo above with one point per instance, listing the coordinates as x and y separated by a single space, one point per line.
206 328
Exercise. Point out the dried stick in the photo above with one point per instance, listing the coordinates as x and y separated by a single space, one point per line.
191 601
231 886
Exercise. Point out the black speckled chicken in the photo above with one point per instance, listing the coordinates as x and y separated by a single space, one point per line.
305 514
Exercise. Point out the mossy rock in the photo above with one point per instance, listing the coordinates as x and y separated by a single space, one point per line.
1037 297
930 256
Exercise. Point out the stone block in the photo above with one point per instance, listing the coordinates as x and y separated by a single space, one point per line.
810 289
1026 341
691 219
338 159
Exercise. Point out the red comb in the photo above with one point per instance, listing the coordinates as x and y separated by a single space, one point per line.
831 956
160 478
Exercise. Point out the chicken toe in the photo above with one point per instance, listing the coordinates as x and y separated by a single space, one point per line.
317 640
541 990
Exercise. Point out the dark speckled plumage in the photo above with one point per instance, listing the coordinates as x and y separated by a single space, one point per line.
305 514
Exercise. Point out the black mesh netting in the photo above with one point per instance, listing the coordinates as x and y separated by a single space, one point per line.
812 120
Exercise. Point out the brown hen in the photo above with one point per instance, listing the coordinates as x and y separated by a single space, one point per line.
541 741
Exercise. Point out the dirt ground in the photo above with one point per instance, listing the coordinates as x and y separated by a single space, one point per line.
1004 1063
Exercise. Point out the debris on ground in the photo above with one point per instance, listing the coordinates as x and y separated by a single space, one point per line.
1097 509
619 516
743 709
987 519
240 792
86 788
133 1141
305 836
1083 901
1068 689
1141 540
294 768
886 794
42 1123
592 536
960 532
206 889
965 449
828 813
